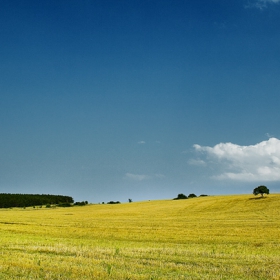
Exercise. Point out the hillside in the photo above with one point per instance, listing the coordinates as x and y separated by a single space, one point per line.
214 237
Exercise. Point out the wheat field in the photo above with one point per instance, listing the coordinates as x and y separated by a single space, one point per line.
214 237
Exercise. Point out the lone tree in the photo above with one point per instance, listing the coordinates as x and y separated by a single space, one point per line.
261 190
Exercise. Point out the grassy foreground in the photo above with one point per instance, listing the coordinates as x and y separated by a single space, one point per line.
219 237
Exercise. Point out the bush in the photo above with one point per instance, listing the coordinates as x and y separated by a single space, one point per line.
65 204
191 195
113 202
83 203
181 196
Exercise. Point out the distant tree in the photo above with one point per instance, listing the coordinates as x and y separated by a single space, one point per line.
181 196
64 204
113 202
261 190
129 200
82 203
191 195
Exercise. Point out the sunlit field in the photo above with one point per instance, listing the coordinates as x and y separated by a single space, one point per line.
215 237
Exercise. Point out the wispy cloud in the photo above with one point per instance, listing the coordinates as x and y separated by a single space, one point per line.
142 177
141 142
261 4
160 176
137 177
269 135
197 162
260 162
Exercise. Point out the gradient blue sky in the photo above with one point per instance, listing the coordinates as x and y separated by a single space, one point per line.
110 100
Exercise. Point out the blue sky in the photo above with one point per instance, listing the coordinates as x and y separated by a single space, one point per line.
110 100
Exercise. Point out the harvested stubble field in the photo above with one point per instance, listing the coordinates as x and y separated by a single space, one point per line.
215 237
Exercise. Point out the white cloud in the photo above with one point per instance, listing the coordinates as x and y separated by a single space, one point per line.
160 176
269 135
260 162
260 4
270 1
142 142
197 162
137 177
142 177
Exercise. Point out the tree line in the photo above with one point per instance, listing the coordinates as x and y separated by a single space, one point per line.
183 196
8 200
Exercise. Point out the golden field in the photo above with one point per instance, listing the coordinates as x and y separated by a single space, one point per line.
214 237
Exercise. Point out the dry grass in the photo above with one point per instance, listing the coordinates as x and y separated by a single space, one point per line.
222 237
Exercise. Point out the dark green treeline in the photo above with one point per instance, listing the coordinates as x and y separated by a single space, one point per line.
8 200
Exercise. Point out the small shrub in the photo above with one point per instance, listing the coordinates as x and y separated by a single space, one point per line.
181 196
113 202
65 204
83 203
